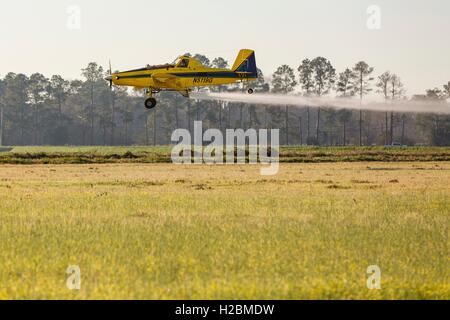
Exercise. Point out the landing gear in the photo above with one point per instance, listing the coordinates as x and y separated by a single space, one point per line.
185 93
150 103
250 91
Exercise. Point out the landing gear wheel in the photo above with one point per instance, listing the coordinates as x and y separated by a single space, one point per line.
150 103
250 91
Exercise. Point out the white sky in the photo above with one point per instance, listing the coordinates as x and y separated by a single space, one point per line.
414 39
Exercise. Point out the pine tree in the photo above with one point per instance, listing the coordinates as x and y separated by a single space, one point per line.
396 91
283 81
344 85
361 83
383 87
93 73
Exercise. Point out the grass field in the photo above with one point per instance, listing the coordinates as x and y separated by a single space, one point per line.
161 154
160 231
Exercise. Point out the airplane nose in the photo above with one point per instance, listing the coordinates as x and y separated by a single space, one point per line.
108 78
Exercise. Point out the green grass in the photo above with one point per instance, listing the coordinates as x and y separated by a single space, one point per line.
89 150
162 231
161 154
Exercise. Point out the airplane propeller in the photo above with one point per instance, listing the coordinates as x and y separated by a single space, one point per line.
109 77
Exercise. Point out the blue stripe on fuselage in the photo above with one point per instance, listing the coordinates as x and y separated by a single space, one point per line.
206 74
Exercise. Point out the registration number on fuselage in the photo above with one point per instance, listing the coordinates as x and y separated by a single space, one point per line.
203 80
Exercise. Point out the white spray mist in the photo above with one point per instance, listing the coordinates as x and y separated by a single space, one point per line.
403 106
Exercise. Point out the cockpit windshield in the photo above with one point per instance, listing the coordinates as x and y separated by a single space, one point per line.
182 62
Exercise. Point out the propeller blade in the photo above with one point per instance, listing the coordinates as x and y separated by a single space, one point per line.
109 78
110 75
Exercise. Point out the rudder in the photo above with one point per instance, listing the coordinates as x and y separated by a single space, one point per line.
246 63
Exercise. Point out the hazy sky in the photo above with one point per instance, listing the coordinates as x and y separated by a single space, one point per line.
413 40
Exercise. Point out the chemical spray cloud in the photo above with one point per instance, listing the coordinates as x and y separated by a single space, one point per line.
334 103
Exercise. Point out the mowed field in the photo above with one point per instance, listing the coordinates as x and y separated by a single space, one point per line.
162 154
162 231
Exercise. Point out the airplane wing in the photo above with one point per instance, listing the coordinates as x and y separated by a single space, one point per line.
167 80
163 77
170 81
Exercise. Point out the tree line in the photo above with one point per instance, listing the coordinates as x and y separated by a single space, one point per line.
37 110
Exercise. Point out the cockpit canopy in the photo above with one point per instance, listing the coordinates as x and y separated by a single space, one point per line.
186 62
180 62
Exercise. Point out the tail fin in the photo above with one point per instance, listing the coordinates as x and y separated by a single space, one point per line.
246 63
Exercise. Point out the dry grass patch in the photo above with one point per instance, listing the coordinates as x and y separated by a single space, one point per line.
161 231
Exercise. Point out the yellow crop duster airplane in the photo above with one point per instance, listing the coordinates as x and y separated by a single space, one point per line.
184 74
